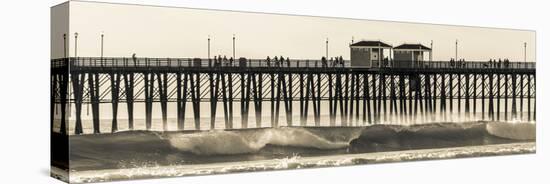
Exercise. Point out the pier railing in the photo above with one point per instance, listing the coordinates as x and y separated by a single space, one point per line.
116 62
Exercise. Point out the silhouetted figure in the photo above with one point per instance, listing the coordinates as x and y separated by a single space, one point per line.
268 60
275 61
134 58
507 63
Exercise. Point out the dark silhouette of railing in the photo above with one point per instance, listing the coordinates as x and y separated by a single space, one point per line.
292 63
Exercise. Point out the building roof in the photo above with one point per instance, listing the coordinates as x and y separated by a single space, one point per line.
411 47
370 44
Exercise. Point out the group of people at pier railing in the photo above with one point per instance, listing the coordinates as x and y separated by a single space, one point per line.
459 63
277 61
501 63
333 62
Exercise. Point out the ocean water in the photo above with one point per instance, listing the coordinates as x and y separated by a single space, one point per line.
149 154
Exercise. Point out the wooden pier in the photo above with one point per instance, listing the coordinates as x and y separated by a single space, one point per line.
368 95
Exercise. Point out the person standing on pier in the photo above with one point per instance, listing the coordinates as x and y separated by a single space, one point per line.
134 58
215 61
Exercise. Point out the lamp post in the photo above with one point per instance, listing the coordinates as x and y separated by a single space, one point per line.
326 49
75 44
102 44
65 45
102 48
456 50
102 35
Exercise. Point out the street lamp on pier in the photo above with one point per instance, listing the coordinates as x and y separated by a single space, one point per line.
75 44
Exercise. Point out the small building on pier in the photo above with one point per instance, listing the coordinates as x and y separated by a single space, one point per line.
409 55
369 54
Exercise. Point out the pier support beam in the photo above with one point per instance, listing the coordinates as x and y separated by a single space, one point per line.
257 95
93 82
529 97
352 95
475 95
506 96
384 96
225 101
214 92
302 101
467 96
491 97
443 104
374 99
115 88
181 93
78 85
148 82
498 95
514 95
230 99
521 96
64 89
393 98
483 86
402 110
129 90
366 99
195 98
272 99
318 109
332 112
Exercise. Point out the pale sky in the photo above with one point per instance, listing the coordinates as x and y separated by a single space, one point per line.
152 31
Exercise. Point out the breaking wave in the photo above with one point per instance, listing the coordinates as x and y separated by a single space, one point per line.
382 137
250 141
